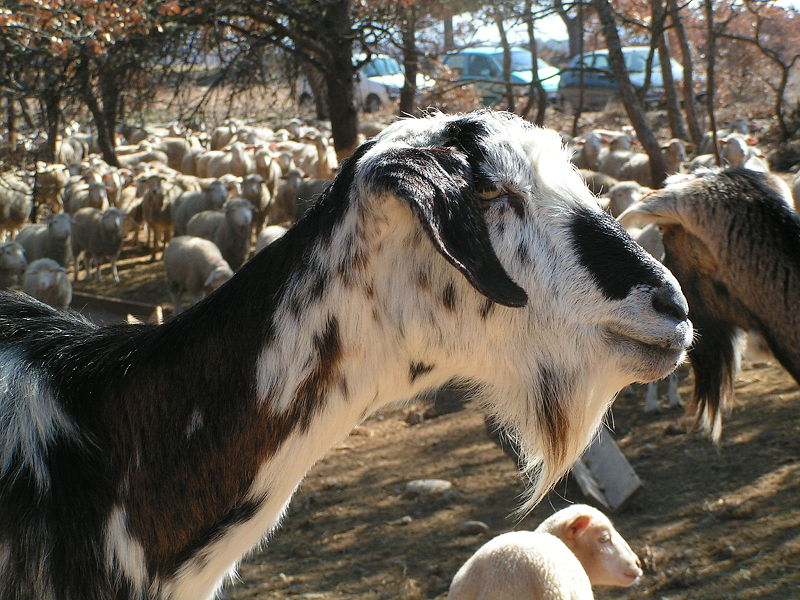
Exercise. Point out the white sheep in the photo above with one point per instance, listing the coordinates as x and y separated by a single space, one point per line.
229 229
572 550
12 264
255 191
637 167
51 239
588 154
46 280
189 204
194 266
285 206
16 204
618 153
622 195
268 235
97 236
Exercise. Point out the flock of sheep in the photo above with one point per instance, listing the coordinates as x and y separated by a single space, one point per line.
208 203
237 187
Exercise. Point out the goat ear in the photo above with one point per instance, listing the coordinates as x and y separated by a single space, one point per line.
658 209
437 184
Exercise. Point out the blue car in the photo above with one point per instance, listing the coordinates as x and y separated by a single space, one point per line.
484 67
599 85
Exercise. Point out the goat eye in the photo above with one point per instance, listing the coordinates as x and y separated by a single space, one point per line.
489 193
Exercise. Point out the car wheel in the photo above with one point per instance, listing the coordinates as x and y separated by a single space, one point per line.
372 104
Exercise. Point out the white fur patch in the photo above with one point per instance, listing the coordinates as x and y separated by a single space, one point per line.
124 553
30 418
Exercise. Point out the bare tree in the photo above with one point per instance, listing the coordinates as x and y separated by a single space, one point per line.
630 99
689 106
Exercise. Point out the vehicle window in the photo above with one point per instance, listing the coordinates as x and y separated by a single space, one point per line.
391 66
480 65
520 60
369 69
636 63
455 61
601 62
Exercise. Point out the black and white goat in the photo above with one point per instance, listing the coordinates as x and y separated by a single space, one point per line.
734 244
141 462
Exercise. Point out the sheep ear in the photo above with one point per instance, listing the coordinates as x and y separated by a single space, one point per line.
576 527
658 209
437 184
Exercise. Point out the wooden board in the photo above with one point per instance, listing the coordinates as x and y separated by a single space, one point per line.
105 310
604 474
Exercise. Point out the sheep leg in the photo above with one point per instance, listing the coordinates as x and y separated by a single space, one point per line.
114 271
673 397
651 398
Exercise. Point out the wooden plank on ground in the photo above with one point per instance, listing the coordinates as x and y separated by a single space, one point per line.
105 309
604 474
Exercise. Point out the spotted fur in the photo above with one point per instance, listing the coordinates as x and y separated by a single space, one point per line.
141 462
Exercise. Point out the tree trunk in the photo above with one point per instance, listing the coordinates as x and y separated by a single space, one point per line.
536 93
449 38
574 27
658 166
11 125
581 73
670 92
711 57
408 94
339 78
52 114
689 106
316 81
509 88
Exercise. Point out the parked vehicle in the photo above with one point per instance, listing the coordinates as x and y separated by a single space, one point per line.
483 66
599 85
378 83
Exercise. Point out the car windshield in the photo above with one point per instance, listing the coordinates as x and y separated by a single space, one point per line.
381 65
637 62
520 60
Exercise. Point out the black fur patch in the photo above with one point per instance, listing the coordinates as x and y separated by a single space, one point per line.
131 390
437 183
616 262
449 297
417 369
486 308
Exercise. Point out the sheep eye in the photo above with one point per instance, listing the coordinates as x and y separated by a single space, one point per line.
605 538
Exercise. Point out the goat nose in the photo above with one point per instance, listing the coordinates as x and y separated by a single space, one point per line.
669 301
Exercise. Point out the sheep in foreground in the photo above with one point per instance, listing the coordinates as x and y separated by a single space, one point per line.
268 235
734 245
451 246
572 550
796 192
228 228
46 280
52 239
12 264
97 237
194 266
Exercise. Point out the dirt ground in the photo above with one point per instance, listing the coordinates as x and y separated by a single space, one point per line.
710 523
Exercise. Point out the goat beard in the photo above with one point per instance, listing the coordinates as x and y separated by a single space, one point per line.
549 426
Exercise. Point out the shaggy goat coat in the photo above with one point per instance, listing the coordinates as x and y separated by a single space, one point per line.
734 245
141 462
